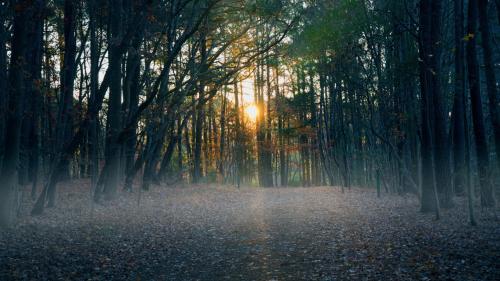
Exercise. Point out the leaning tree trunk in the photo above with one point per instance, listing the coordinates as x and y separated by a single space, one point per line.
64 126
165 166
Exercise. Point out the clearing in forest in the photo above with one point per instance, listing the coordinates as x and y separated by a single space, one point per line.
222 233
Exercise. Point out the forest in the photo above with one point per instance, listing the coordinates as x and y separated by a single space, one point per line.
322 139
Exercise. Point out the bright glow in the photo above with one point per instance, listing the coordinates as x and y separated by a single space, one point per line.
251 111
247 89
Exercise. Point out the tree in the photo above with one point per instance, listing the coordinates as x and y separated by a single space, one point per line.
483 164
491 82
429 201
17 89
459 113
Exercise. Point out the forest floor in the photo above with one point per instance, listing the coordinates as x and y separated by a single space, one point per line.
221 233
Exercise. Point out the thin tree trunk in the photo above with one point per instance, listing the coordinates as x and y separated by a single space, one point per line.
237 146
459 129
222 143
200 116
4 90
94 87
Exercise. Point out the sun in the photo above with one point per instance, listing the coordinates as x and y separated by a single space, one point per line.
251 111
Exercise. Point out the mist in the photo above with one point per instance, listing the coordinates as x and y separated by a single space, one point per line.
249 140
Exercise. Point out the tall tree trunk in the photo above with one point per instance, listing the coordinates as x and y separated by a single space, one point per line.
459 129
222 143
65 123
180 167
468 177
487 197
268 145
429 201
237 147
489 70
281 134
260 122
200 117
113 127
497 2
4 87
93 136
17 70
64 130
34 102
442 150
131 93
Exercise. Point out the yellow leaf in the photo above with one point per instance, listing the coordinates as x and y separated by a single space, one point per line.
468 37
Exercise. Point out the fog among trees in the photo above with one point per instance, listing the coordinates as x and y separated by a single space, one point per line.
276 121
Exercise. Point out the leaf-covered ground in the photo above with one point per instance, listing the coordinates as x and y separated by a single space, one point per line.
221 233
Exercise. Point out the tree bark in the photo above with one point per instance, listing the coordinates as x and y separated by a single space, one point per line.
17 70
442 145
4 87
429 200
35 100
489 71
487 197
93 136
497 2
200 116
237 146
459 129
222 142
113 127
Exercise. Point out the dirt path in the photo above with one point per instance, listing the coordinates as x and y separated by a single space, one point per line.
249 234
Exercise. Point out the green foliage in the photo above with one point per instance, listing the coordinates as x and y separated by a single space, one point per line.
330 28
265 8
